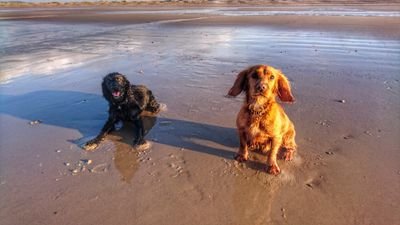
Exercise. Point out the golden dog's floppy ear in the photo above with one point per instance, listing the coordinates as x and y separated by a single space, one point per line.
240 84
284 91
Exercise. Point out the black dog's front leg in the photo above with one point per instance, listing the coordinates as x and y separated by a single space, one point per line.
139 129
139 132
108 126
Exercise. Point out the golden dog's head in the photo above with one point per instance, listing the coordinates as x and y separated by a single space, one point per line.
262 81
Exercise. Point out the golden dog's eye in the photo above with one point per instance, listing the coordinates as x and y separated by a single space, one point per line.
271 77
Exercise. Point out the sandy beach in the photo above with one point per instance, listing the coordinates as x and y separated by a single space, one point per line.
344 66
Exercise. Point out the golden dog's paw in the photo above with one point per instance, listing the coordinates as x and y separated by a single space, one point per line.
241 158
90 146
274 169
288 154
253 147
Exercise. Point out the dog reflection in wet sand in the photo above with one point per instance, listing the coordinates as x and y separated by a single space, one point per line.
125 160
126 103
262 123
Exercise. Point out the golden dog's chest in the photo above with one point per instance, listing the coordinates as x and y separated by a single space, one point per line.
257 132
258 139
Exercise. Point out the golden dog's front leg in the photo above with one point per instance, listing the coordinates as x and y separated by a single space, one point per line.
273 167
289 144
243 153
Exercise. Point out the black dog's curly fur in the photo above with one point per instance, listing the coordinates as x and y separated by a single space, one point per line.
126 103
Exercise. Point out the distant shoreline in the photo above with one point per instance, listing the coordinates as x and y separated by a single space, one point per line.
196 3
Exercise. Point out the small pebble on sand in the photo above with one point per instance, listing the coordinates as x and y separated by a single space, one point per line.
86 161
368 133
283 213
348 137
35 122
101 168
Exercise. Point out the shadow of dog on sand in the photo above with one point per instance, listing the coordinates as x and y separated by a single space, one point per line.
87 112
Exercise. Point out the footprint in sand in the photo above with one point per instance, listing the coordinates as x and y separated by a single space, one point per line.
177 165
316 182
348 137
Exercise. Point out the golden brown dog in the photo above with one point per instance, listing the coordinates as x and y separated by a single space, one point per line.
262 124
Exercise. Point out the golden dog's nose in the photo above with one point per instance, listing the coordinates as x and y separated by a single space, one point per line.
261 87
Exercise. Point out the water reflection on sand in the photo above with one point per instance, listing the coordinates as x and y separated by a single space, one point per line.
29 48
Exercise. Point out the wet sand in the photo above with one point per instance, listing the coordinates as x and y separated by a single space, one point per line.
347 168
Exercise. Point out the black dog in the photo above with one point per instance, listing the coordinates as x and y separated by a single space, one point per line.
126 103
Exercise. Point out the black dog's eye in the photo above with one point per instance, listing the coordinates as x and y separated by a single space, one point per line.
254 75
271 77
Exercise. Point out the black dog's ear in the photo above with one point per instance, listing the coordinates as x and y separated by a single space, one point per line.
127 88
106 91
127 83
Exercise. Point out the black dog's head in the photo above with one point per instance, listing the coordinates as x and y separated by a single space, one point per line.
115 87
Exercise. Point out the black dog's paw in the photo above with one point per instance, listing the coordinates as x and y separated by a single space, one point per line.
163 107
137 141
142 145
91 145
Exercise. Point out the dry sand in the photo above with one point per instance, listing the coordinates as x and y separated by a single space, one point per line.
347 169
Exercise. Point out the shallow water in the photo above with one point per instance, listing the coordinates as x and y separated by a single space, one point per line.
261 11
272 11
29 49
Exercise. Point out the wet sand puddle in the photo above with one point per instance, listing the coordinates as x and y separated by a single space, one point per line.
52 75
